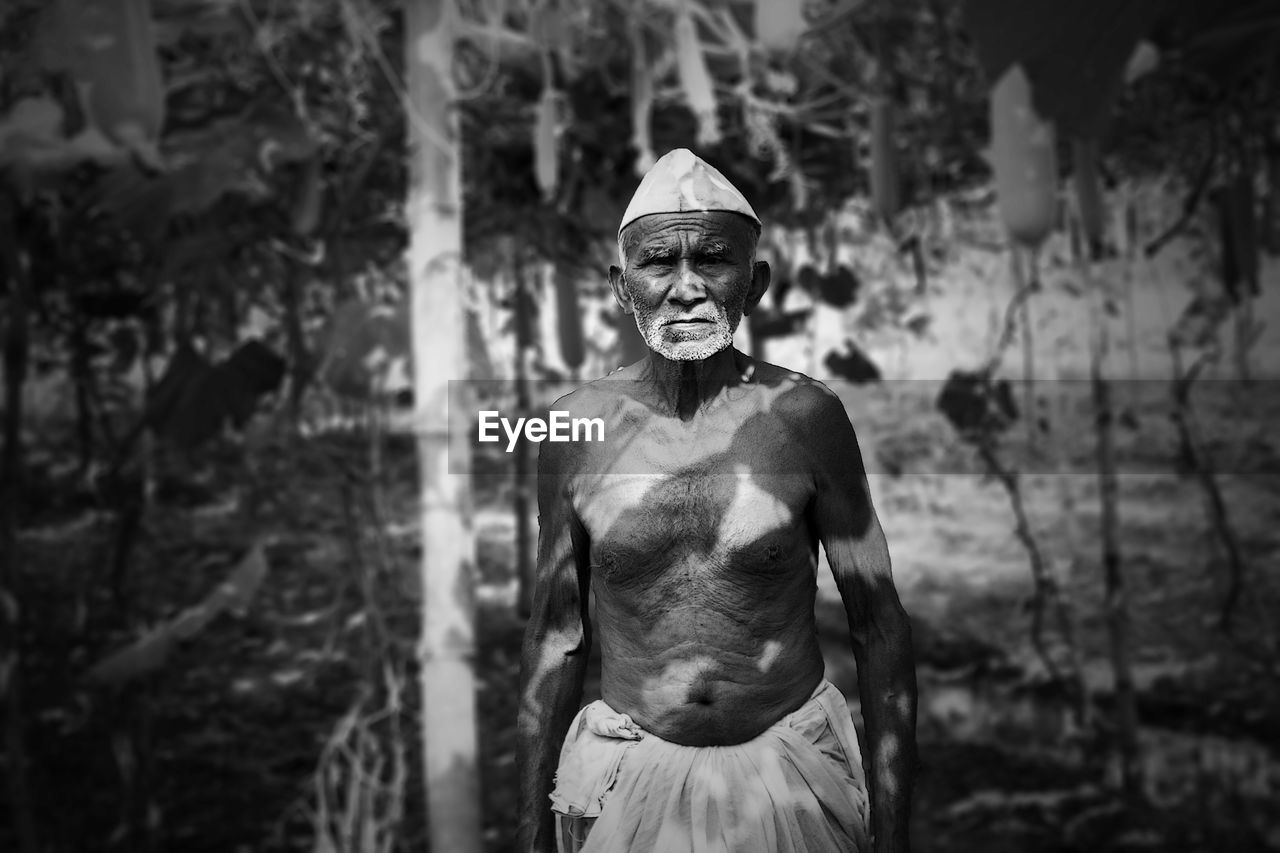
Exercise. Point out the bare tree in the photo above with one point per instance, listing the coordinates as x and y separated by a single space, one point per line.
436 272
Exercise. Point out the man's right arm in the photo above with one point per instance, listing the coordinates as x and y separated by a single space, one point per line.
879 628
557 642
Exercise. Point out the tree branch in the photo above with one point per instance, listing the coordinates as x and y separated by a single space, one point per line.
1192 203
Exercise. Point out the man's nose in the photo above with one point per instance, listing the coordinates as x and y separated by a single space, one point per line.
689 287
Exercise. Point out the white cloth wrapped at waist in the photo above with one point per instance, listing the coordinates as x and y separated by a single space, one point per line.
798 787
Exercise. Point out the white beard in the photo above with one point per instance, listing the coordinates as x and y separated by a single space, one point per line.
685 344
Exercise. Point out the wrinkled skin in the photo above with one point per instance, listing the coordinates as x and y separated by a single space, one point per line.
684 283
696 525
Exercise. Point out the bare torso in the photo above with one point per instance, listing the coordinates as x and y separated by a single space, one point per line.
703 564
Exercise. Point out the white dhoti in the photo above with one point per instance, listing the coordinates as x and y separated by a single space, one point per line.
798 787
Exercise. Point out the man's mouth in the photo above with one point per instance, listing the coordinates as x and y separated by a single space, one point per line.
687 321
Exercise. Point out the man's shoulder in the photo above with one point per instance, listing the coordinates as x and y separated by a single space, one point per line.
597 398
814 417
795 396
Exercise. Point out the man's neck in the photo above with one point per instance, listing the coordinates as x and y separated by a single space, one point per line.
683 388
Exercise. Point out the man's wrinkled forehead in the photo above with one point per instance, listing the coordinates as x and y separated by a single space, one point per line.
707 232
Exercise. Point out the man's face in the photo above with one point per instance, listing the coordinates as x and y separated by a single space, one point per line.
689 279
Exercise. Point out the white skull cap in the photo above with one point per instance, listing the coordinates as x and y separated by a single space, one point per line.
681 182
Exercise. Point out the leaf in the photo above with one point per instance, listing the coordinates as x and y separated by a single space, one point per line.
258 366
184 366
977 406
230 157
253 370
360 345
32 141
144 656
839 288
117 68
150 652
31 121
237 592
766 324
195 400
808 279
852 365
546 150
1144 60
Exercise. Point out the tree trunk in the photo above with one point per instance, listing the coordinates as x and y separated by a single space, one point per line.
521 502
1199 458
1116 601
15 374
1025 278
447 646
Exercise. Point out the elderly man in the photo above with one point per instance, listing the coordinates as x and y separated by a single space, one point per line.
696 524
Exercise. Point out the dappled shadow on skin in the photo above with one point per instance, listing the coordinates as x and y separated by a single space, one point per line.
699 545
984 724
710 538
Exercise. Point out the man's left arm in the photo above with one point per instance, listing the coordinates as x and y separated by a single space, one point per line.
879 628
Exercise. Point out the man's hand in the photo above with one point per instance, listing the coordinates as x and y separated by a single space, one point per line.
609 724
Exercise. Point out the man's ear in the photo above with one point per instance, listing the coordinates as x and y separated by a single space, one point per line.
620 290
761 275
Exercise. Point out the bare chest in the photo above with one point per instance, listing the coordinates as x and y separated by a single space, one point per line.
706 508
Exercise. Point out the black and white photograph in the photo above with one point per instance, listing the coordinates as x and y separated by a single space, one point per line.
639 426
